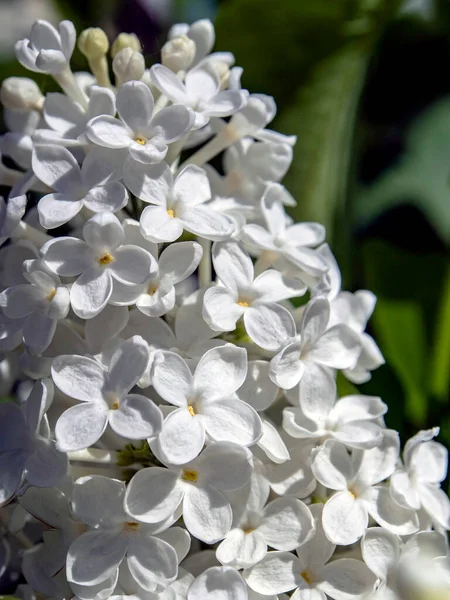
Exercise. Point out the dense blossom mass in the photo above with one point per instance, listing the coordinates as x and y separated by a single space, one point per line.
173 341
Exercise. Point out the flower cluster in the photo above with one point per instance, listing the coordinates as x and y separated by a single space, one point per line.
164 314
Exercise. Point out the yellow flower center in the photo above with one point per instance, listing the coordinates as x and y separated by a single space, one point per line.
140 140
170 213
105 259
248 530
115 406
243 303
189 475
152 289
131 526
191 410
307 577
51 295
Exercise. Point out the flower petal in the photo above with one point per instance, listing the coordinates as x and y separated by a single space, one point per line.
79 377
57 209
134 102
157 226
220 372
152 562
137 418
344 519
108 132
182 437
90 293
231 421
206 513
56 167
81 426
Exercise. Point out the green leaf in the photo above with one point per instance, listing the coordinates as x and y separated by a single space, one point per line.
421 177
345 387
440 363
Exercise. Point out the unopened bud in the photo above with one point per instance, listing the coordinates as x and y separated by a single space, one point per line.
21 94
93 43
128 65
223 72
125 40
177 54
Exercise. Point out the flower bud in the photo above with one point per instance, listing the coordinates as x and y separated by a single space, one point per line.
21 94
125 40
93 43
177 54
128 65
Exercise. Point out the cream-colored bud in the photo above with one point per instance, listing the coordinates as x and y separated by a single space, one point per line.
223 72
178 53
93 43
128 65
125 40
21 94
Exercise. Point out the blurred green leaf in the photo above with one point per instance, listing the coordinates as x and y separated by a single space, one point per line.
344 386
440 362
421 176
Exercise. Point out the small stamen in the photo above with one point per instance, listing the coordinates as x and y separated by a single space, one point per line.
248 530
51 295
191 410
115 406
140 140
170 213
243 303
106 259
307 577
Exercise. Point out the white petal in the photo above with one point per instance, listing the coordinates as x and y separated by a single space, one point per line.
258 237
314 321
429 462
105 326
270 327
286 524
134 104
153 151
38 332
380 550
57 209
91 292
49 505
61 113
223 104
101 102
257 389
171 378
157 226
56 167
233 266
331 465
416 440
318 550
225 466
388 513
46 466
339 348
103 232
344 519
220 583
231 421
132 265
169 84
152 563
220 372
112 196
286 369
277 572
272 286
179 260
346 578
305 234
94 556
317 392
378 463
435 501
182 437
153 495
81 426
79 377
269 160
173 122
207 223
220 309
151 183
97 501
358 408
242 549
271 442
179 539
127 365
137 418
11 469
108 131
359 434
192 186
68 38
206 513
67 256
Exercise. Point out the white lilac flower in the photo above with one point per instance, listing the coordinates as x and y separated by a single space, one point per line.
144 134
156 296
105 397
155 493
283 524
96 555
356 479
39 304
295 243
47 50
351 420
75 187
240 294
99 260
417 485
204 402
201 92
311 573
25 447
175 203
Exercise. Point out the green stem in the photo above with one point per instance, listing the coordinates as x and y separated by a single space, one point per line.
440 361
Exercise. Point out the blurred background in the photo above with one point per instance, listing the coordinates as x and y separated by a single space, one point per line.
365 86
